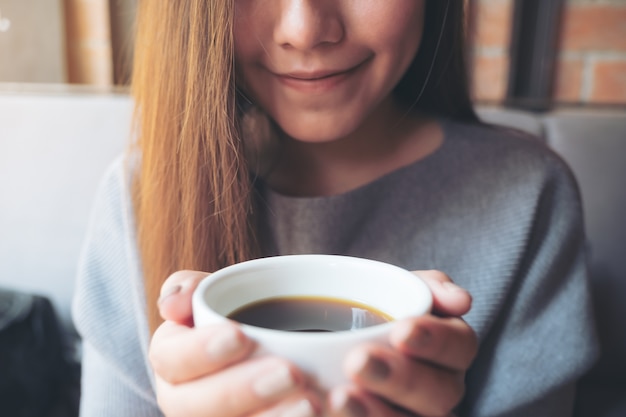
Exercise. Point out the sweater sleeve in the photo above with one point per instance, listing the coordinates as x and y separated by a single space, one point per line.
109 310
542 339
109 393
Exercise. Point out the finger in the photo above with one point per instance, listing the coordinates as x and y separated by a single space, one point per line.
448 298
347 401
448 342
302 404
175 299
179 353
350 402
242 389
417 386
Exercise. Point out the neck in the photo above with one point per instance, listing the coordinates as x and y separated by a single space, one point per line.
391 139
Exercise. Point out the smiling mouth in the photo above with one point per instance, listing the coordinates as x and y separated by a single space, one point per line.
317 81
315 76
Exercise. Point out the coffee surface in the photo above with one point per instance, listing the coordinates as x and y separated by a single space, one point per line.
309 314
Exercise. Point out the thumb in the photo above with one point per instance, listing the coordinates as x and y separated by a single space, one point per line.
175 300
448 298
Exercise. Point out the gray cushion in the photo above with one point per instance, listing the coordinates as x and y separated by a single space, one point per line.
593 142
518 119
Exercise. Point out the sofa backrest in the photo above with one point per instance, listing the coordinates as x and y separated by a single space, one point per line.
54 148
593 142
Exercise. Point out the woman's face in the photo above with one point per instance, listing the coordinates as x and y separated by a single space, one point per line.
321 68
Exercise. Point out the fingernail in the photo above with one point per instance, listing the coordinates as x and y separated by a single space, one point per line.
364 365
168 292
419 339
355 408
302 408
376 369
278 381
450 286
344 404
224 344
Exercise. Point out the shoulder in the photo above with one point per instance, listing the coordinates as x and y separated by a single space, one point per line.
116 179
109 304
109 266
510 156
113 201
107 251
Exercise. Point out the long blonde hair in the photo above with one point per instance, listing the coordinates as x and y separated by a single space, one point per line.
192 192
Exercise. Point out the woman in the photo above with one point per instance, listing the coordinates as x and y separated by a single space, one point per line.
301 126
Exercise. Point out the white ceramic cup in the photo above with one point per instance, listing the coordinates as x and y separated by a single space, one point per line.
387 288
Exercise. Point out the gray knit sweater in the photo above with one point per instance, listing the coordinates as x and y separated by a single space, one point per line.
495 210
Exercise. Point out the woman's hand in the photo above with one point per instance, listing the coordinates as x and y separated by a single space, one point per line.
207 371
423 371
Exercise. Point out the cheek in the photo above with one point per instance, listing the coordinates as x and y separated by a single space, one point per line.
249 27
245 48
242 47
392 27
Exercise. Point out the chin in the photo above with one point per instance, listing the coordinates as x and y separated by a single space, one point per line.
319 131
315 135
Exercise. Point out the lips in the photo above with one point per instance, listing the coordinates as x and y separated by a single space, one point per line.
313 75
316 81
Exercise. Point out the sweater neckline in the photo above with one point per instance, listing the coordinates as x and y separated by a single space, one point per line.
434 158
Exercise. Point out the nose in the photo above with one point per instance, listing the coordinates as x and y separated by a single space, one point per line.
306 24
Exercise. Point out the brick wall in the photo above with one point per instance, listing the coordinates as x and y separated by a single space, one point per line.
591 61
490 34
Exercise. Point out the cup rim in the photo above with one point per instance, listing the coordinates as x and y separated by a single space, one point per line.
198 299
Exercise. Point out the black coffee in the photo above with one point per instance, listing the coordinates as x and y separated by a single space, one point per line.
309 314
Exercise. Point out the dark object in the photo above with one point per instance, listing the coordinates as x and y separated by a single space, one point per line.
534 49
39 372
